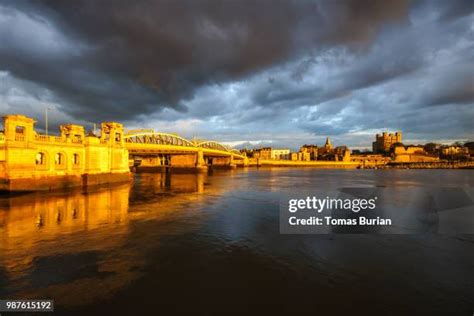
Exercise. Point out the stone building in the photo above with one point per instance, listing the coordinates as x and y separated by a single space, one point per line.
264 153
412 154
268 153
327 151
304 156
454 151
280 154
312 150
30 161
384 142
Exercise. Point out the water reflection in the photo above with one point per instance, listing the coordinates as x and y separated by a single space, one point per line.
58 244
23 216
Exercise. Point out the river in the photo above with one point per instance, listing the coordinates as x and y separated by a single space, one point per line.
210 244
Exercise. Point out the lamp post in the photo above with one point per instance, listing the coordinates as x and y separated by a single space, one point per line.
46 118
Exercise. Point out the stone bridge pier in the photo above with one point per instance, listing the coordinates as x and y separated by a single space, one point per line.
154 163
192 162
178 163
221 162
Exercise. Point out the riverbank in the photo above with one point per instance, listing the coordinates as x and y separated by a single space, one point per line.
432 165
361 165
290 163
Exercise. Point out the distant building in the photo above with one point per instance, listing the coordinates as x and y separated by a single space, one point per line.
304 156
267 153
454 150
312 150
327 151
280 154
384 142
470 148
340 150
264 153
412 154
328 145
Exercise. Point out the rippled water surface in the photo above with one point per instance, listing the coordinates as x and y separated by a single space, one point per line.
210 244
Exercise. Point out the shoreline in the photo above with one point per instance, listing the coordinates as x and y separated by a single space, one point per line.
63 183
358 165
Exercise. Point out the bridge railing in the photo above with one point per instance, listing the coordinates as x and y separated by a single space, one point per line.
138 131
145 137
157 139
210 144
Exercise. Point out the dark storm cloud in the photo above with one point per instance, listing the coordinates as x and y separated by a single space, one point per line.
446 10
263 71
458 90
118 59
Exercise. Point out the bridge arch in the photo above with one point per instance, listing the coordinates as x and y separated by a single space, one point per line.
154 138
210 144
137 138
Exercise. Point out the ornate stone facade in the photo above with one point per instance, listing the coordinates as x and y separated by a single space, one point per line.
30 161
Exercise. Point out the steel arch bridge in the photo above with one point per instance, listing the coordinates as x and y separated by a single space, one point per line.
151 142
152 138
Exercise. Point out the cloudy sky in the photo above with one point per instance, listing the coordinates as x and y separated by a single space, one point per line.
277 72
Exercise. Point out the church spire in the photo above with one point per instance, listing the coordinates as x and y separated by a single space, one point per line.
328 143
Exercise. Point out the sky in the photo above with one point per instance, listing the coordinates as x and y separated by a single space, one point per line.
245 73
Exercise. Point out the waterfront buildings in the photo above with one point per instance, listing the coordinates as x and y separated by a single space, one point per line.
307 152
263 153
311 150
280 154
412 154
454 150
32 161
384 142
269 153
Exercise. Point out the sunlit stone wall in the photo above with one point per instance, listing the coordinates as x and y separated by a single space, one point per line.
32 161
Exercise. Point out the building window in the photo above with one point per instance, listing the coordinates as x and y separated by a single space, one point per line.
77 139
40 159
75 159
20 130
59 159
117 137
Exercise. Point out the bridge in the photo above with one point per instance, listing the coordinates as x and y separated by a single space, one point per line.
150 149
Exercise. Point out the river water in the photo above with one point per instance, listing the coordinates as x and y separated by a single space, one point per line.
209 244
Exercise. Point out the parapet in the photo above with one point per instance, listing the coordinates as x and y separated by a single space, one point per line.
18 127
72 131
19 118
112 132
